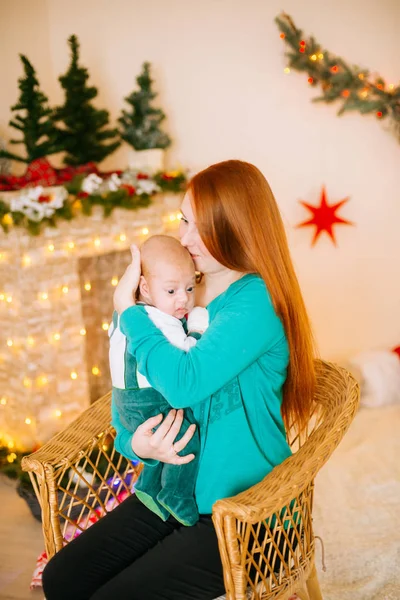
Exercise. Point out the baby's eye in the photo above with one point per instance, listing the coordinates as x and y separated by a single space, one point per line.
184 220
171 292
190 289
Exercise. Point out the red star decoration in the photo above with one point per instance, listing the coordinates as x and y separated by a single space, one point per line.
324 217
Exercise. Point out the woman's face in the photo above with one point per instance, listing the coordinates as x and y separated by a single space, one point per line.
190 239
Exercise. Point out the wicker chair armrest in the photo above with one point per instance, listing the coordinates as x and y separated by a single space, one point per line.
263 499
71 443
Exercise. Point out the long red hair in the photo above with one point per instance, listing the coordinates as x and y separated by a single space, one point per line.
240 224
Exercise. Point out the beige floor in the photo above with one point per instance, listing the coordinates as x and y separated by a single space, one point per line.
20 544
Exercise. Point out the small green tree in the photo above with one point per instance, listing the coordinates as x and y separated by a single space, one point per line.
141 125
40 136
83 132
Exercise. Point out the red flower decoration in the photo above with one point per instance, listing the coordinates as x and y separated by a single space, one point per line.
43 199
324 217
142 176
129 188
83 194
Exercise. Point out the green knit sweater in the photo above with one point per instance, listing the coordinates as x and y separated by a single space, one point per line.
232 379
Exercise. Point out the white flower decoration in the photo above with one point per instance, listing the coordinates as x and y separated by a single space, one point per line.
91 183
146 186
29 204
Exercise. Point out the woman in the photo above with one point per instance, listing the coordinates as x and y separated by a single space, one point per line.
249 376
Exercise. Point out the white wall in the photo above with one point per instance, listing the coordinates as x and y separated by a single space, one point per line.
219 65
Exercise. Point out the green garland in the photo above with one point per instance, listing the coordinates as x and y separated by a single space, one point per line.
78 201
356 88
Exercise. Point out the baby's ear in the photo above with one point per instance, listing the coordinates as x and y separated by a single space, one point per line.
143 287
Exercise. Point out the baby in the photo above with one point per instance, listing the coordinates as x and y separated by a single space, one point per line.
167 290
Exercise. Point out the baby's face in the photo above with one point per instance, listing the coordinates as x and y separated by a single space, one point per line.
172 289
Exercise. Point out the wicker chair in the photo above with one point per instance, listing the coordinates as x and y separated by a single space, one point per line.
265 534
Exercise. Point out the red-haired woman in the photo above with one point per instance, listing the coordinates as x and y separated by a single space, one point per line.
248 378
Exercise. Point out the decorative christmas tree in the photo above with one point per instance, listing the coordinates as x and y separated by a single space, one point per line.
40 136
83 130
141 125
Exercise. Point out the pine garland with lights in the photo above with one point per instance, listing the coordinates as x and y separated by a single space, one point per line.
355 87
36 208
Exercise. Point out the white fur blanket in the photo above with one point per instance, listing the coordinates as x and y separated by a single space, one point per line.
357 510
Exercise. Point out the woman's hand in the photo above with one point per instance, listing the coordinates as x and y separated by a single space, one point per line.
124 295
160 445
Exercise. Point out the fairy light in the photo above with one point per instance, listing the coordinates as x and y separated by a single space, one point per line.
74 375
56 336
320 56
105 326
58 413
361 76
97 242
28 421
10 445
145 231
87 286
43 296
9 299
286 70
114 281
71 245
10 343
42 380
172 217
179 216
82 331
313 57
50 247
65 289
122 237
27 382
30 340
310 80
95 370
3 401
26 260
391 86
11 457
2 297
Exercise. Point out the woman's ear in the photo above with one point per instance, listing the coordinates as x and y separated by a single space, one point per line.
144 289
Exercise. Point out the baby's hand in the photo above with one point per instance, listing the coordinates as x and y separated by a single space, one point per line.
197 320
124 295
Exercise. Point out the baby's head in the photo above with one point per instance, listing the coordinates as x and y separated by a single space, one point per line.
168 277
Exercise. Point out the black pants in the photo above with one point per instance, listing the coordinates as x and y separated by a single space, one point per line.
131 554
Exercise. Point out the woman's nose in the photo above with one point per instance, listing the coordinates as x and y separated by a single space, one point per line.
185 235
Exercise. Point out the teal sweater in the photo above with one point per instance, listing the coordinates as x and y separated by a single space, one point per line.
232 379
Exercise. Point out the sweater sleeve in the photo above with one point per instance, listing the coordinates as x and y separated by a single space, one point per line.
123 440
244 328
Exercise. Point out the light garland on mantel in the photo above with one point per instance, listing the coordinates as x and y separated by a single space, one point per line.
18 347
